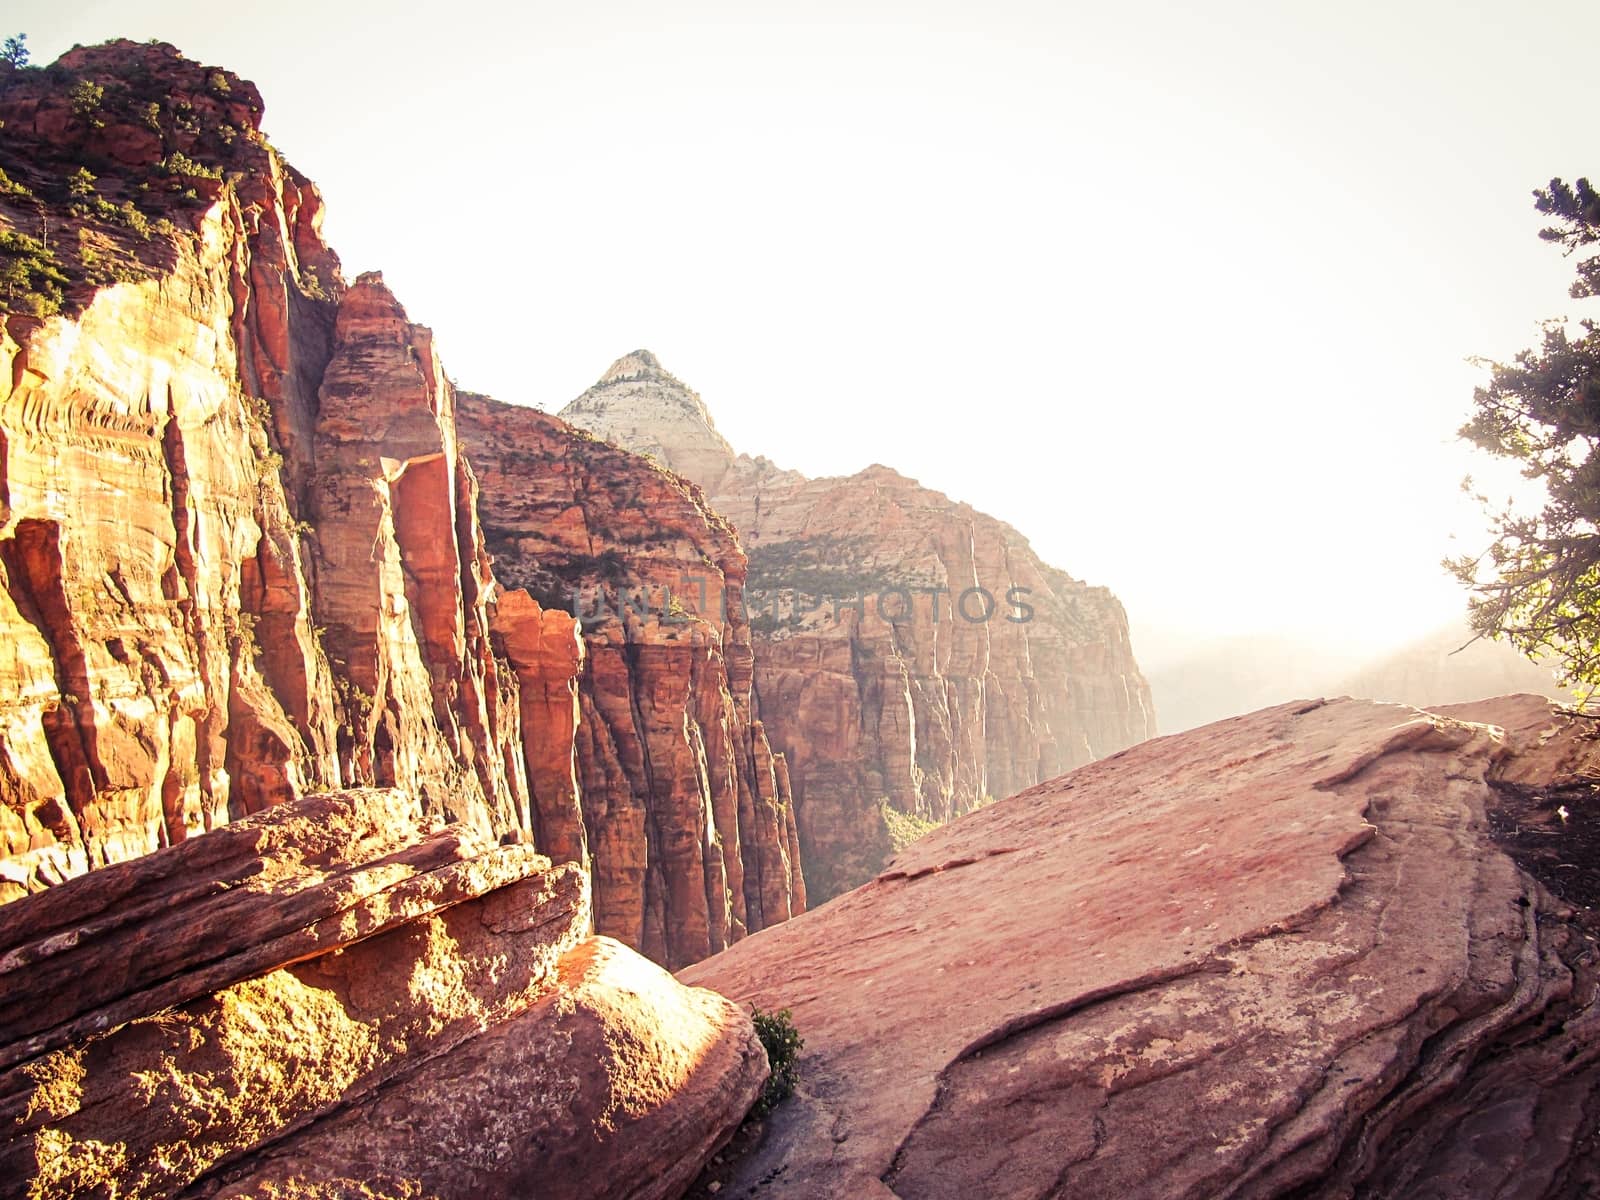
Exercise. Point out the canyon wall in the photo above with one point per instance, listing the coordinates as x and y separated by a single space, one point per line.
686 805
242 556
911 653
240 552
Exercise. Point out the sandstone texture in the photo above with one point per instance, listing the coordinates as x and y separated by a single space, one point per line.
343 997
894 663
1305 953
239 558
242 557
684 805
637 403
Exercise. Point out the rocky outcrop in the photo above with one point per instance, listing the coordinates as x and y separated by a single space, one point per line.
239 551
403 585
911 652
165 674
341 997
1296 954
307 600
685 807
637 403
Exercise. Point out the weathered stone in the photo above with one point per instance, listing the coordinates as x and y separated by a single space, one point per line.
895 664
398 585
291 881
329 995
685 806
618 1085
640 405
220 466
1283 955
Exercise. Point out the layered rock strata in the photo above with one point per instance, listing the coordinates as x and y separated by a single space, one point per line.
239 557
1304 953
341 997
686 807
242 556
911 652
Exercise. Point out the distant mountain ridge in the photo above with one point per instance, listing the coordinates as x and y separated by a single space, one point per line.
893 664
1237 675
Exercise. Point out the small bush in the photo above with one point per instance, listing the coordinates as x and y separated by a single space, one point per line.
86 97
267 467
134 219
904 828
30 275
179 163
311 286
783 1044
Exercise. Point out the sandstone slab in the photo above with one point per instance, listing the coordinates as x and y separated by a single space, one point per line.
618 1085
1283 955
337 997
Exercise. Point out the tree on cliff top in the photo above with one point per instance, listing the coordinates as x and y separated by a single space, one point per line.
1538 584
15 51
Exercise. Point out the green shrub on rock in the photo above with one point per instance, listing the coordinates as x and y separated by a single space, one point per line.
783 1044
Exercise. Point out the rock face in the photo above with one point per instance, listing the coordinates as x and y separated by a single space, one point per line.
684 805
143 514
911 652
239 557
640 405
340 997
242 557
1288 955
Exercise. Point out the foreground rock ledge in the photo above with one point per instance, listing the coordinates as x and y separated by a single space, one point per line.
1284 955
338 997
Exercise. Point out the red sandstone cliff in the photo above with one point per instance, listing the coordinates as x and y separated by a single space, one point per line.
891 665
686 806
243 556
240 551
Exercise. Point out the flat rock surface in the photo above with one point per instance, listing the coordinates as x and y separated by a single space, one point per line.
1280 955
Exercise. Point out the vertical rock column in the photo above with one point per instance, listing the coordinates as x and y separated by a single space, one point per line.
397 567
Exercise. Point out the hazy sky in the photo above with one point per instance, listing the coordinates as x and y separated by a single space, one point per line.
1184 291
